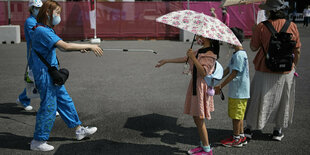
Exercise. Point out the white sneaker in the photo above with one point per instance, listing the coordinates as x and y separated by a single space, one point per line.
84 131
27 108
57 114
40 146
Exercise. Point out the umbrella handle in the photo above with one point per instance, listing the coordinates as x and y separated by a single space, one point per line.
193 41
191 46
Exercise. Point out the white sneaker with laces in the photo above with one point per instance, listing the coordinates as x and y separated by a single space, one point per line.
27 108
82 132
40 146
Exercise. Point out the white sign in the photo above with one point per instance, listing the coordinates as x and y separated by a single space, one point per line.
261 16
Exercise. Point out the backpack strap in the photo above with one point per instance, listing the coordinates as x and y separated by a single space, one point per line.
273 31
270 27
33 28
285 26
43 60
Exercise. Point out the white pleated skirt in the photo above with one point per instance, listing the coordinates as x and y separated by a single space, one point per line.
272 100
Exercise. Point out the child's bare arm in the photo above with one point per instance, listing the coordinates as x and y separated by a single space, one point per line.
226 81
199 67
226 71
176 60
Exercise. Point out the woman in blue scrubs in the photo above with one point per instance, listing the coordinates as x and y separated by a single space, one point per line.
34 6
45 42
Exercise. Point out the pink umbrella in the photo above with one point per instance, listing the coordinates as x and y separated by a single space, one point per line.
200 24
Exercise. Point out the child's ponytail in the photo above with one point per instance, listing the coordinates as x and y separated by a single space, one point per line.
215 44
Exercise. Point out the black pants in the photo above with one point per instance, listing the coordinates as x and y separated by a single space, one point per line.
306 21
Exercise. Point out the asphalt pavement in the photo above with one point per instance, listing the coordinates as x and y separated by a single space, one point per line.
138 108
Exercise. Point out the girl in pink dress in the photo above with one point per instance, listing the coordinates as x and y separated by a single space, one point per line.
198 104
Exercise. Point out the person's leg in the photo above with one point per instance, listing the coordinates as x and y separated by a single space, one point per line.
202 130
66 108
241 127
236 109
23 99
242 135
46 114
284 113
236 127
67 111
234 140
203 133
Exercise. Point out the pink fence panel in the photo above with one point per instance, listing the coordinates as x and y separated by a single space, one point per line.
137 19
124 20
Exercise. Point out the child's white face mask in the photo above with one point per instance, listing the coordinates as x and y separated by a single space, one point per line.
200 41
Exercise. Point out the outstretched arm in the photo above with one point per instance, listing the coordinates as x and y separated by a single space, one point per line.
79 47
176 60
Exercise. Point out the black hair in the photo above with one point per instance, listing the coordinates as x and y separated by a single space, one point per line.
280 14
238 33
215 44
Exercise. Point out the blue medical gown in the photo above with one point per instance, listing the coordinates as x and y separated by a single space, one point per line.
28 25
52 97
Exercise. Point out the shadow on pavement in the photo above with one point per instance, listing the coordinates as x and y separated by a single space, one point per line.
13 108
17 142
166 128
110 147
259 135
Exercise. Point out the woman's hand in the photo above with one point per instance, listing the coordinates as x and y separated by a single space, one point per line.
190 54
97 50
160 63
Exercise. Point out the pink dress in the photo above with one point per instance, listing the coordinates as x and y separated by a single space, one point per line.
200 105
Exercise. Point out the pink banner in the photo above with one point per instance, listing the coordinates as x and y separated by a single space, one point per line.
124 20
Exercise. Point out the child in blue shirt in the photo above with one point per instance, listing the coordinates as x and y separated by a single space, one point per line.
239 91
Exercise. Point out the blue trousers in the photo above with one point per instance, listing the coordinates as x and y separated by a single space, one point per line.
52 98
24 100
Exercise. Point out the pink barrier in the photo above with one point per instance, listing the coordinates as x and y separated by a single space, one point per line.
124 20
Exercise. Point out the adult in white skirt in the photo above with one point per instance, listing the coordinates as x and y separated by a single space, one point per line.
272 93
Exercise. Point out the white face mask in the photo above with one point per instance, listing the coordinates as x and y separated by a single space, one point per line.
35 12
56 20
200 41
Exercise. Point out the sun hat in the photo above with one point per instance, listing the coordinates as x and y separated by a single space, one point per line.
35 3
214 78
273 5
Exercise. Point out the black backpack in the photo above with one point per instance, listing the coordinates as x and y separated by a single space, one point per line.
279 57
